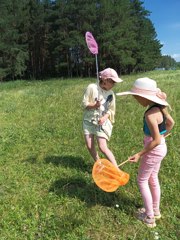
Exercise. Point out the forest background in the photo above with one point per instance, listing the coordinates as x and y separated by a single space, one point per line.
44 38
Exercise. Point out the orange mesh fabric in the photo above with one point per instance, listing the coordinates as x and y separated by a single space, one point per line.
107 176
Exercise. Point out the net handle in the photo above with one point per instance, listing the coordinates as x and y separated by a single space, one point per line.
123 163
128 159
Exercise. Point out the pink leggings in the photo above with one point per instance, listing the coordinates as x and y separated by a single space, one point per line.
148 176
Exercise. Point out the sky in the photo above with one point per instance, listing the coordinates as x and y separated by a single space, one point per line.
165 16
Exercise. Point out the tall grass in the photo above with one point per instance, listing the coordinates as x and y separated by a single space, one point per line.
46 186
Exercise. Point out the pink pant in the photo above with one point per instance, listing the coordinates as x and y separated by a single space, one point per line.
148 176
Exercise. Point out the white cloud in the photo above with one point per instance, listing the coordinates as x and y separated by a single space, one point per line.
176 56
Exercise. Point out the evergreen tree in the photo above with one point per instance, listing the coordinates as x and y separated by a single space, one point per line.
118 38
37 43
167 62
45 38
147 51
13 39
69 20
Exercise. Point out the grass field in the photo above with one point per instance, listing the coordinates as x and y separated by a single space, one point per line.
46 186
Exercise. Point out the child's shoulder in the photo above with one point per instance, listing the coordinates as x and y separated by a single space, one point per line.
155 110
92 85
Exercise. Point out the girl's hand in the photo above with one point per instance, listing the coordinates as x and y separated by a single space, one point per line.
102 120
134 158
97 104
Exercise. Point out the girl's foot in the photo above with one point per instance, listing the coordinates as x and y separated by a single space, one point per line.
150 222
157 215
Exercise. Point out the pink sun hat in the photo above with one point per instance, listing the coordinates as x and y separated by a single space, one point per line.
147 88
110 73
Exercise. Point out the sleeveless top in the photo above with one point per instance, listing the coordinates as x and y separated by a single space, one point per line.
161 126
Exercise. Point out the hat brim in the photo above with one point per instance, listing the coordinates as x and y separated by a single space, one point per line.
117 80
149 97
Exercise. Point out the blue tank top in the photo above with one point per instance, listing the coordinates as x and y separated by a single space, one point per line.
161 126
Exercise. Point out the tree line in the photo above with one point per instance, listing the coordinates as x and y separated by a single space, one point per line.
46 38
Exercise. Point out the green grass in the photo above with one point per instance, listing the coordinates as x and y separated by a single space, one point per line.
46 186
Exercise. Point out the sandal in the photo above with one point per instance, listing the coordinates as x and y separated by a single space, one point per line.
157 215
150 222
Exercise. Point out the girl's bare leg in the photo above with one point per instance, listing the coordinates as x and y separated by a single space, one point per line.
102 143
90 143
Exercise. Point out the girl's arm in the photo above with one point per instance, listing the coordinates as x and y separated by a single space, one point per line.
95 105
169 121
90 100
103 119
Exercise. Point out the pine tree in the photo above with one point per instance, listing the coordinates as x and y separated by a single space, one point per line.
13 39
147 51
45 38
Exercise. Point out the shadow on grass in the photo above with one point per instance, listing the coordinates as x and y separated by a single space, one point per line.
65 161
69 161
89 193
32 160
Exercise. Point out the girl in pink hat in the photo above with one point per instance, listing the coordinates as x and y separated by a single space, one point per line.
157 124
99 112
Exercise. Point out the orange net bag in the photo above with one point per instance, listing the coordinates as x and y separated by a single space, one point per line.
107 176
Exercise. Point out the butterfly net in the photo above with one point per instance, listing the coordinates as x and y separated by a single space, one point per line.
107 176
